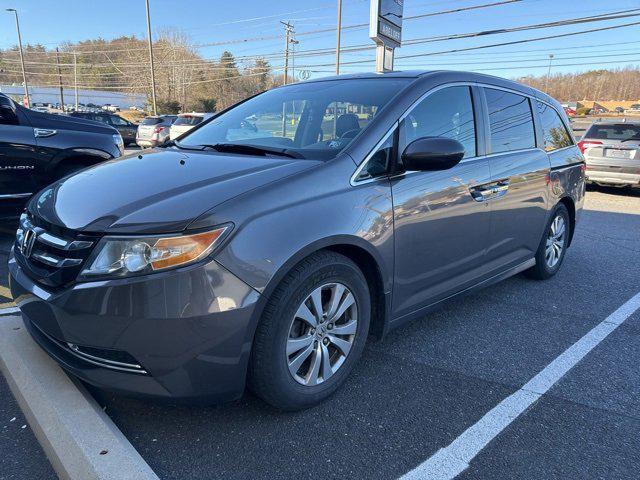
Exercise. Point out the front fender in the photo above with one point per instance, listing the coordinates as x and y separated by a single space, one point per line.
278 226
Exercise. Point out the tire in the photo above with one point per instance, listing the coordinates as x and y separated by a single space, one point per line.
273 371
547 265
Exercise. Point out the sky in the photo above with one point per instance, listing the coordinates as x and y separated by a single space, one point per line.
252 27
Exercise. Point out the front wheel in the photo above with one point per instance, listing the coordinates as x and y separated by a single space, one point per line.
553 246
312 332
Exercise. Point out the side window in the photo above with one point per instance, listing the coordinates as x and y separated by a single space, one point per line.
379 162
117 120
555 133
445 113
510 121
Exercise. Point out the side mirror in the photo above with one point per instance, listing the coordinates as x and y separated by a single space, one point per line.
432 153
7 112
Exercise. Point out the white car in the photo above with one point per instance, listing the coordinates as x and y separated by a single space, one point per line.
185 122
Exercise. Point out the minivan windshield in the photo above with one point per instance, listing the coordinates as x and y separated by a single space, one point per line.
310 120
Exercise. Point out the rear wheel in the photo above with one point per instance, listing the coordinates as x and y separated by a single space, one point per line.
312 332
553 246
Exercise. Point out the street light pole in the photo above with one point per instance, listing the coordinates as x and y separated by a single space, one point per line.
338 31
24 74
153 75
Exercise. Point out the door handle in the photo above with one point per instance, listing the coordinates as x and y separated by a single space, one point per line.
490 191
500 189
481 193
44 132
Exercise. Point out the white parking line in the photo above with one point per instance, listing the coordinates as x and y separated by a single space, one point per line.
450 461
9 310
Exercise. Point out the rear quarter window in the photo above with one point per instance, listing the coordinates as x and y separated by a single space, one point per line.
555 133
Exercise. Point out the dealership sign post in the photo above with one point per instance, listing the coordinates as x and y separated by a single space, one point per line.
385 28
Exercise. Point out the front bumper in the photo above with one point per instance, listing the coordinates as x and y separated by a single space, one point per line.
190 330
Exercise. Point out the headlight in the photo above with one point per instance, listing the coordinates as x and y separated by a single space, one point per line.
119 142
122 257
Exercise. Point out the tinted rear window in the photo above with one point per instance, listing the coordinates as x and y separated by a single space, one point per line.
188 120
151 121
510 121
555 133
614 132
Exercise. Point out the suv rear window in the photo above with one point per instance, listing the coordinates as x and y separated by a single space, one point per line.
618 131
188 120
151 121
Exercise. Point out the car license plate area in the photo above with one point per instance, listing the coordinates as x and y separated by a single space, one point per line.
617 153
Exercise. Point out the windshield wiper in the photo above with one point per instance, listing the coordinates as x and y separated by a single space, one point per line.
252 150
635 139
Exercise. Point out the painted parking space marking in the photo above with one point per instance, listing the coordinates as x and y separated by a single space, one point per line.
452 460
8 310
6 301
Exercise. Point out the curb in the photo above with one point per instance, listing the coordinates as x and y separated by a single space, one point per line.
79 439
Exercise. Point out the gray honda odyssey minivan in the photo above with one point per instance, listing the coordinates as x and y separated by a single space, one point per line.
265 246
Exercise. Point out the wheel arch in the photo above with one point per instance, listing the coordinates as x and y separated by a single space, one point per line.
82 157
568 202
364 255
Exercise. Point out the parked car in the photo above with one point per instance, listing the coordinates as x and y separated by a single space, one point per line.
194 269
126 128
154 131
635 108
37 148
619 110
185 122
111 108
612 153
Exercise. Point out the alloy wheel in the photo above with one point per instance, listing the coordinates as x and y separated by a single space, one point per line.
555 241
321 334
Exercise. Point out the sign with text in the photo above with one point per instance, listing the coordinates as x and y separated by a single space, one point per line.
385 23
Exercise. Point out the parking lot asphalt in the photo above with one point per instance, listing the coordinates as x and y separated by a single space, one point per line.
418 389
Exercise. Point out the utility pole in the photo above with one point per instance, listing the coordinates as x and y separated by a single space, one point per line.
546 83
75 77
338 31
153 75
24 74
288 28
60 79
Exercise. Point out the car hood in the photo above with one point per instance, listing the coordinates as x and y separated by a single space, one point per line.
64 122
160 191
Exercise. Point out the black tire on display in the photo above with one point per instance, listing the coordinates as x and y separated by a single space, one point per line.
553 245
312 332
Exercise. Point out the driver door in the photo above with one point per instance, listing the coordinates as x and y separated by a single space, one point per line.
18 163
441 218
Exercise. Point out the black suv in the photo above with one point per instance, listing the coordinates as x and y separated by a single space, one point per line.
126 129
37 148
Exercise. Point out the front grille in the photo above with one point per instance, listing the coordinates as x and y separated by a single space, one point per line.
51 255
